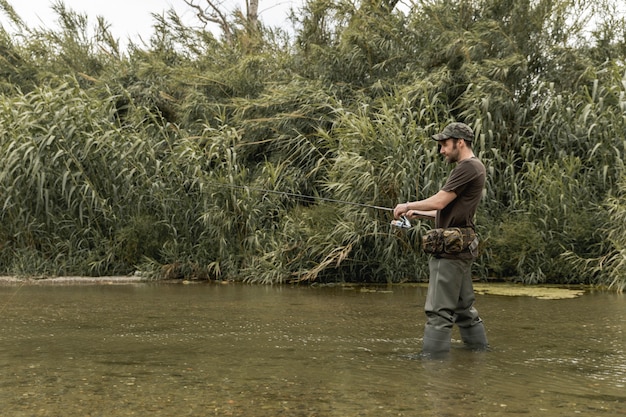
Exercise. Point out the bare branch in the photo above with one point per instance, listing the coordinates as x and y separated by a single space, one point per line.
213 14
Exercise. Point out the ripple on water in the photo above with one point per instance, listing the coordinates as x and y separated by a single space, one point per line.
242 351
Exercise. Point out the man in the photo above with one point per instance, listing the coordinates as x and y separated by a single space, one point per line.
450 298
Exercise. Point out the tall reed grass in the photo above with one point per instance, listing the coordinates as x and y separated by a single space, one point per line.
156 159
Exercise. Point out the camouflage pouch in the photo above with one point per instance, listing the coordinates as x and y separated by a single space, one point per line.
452 240
432 241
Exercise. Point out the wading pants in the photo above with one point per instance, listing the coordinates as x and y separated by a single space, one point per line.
450 300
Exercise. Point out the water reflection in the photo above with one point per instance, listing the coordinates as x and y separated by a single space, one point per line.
216 350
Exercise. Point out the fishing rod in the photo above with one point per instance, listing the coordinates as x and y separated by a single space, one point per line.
403 222
306 197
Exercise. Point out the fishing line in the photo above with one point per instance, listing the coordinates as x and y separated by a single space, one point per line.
402 223
4 307
303 196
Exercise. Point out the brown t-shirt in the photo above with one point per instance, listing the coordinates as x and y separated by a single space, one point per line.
467 181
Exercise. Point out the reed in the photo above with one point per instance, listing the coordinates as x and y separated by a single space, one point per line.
155 159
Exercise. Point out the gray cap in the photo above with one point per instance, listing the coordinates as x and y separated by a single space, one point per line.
456 130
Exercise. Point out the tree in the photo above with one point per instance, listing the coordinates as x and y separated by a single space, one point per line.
212 12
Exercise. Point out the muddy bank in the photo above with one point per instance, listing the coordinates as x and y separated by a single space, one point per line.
545 292
70 280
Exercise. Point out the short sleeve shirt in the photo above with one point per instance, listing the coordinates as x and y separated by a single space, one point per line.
467 181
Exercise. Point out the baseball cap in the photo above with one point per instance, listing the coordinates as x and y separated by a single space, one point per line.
456 130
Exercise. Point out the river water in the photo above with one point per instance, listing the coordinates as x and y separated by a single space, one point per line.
234 350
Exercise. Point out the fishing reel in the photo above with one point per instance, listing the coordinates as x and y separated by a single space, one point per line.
402 223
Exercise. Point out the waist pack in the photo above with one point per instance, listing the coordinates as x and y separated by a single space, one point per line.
451 240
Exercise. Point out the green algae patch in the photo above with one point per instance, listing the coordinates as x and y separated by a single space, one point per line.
540 292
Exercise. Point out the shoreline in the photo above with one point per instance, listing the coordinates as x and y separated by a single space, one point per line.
546 291
71 280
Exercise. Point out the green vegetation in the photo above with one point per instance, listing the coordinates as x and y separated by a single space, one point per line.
151 158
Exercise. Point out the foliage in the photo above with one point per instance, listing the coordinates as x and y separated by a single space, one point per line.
241 158
610 268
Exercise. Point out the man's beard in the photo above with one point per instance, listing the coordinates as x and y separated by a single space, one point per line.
453 157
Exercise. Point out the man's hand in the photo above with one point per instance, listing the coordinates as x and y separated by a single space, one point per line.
404 209
425 208
401 210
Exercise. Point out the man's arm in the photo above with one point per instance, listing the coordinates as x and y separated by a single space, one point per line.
425 208
419 214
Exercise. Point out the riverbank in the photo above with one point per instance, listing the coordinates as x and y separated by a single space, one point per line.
71 280
546 292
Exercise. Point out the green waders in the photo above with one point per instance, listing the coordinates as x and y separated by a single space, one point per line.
450 300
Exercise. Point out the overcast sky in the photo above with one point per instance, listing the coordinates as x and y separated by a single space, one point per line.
130 18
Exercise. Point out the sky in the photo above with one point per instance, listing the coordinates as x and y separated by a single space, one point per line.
132 18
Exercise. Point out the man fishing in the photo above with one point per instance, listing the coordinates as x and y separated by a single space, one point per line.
450 298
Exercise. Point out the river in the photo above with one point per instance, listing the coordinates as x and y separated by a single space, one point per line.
147 349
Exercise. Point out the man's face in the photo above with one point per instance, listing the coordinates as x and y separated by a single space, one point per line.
449 149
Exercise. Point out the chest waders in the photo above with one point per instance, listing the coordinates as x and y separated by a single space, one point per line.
450 300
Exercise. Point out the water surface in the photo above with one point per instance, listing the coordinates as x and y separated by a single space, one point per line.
234 350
